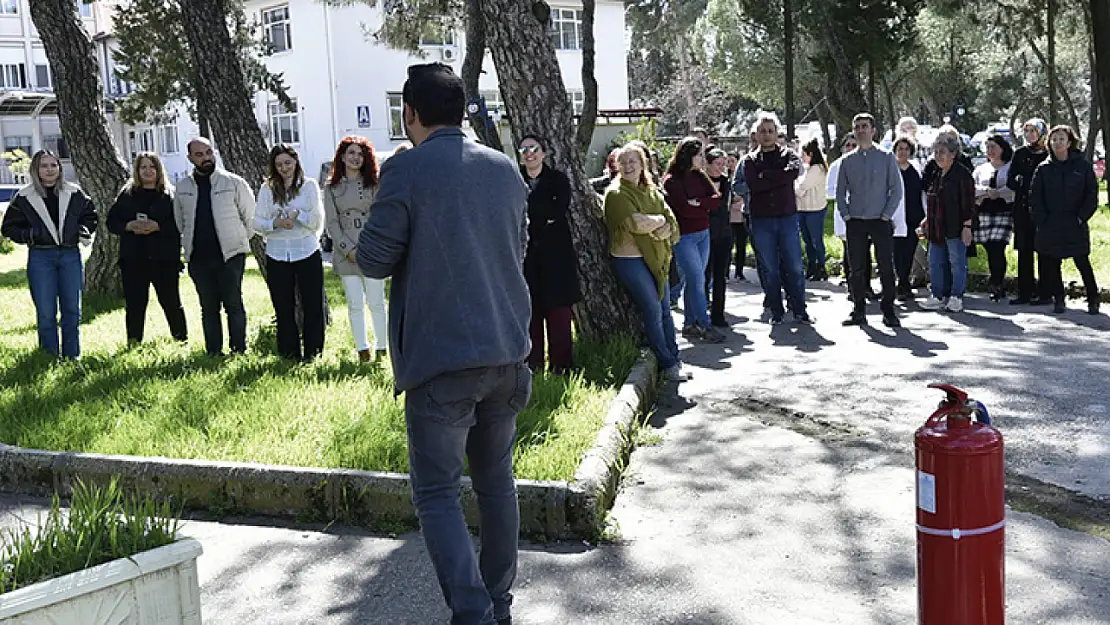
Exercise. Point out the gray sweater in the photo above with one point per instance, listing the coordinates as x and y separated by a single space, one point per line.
869 185
449 224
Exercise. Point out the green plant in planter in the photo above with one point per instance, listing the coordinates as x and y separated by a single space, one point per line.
101 525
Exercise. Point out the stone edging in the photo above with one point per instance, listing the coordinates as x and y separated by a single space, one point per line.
553 509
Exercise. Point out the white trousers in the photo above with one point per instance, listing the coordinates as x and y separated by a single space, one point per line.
361 293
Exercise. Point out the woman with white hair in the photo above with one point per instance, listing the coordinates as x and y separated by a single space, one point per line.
948 215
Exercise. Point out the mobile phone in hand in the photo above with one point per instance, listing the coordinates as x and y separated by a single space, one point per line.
141 217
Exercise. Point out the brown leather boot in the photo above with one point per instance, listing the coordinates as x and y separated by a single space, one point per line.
364 355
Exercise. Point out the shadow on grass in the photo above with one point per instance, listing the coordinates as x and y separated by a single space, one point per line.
13 278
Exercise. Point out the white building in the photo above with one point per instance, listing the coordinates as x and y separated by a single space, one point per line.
344 83
28 114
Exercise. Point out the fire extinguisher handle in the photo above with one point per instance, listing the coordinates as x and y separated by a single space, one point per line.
954 395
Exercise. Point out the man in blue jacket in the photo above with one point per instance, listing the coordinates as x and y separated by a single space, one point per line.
449 225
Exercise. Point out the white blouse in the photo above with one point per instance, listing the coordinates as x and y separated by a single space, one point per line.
303 240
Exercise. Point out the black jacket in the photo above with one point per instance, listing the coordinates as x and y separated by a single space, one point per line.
1022 166
163 245
719 218
950 203
27 221
1063 197
550 265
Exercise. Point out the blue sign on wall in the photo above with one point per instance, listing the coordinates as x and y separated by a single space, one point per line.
363 116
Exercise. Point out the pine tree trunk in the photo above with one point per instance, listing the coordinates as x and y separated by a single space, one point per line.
585 132
84 123
536 99
1100 34
472 70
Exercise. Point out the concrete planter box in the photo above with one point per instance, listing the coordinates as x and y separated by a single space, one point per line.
156 587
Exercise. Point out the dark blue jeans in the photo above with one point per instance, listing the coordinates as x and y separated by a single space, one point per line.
813 233
692 255
780 254
459 416
658 322
220 284
56 277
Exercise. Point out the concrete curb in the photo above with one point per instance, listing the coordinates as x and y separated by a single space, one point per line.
373 499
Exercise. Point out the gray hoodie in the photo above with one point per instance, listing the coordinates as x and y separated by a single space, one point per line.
449 224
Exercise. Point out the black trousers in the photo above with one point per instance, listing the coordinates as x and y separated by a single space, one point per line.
1025 239
138 276
862 233
996 262
904 249
740 240
716 271
220 284
1052 279
286 280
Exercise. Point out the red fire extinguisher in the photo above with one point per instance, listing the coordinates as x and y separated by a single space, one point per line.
961 515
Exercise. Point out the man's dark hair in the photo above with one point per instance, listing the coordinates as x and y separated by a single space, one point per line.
864 117
435 92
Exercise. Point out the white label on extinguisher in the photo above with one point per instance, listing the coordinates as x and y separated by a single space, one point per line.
927 492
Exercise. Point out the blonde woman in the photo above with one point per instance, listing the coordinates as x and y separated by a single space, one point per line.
289 215
149 248
347 198
53 217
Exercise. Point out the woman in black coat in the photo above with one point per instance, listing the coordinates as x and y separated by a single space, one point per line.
53 218
1063 198
1020 180
149 248
550 265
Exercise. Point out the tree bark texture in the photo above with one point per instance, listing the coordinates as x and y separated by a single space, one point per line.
1058 92
585 130
1100 33
535 95
842 79
788 57
84 122
1050 65
227 100
472 71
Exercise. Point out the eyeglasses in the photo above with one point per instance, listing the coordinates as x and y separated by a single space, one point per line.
529 149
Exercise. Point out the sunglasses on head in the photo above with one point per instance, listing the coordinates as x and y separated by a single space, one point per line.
529 149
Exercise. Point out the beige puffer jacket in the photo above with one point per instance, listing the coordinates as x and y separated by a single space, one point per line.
232 210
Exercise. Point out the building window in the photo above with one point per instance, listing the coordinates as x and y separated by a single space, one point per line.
42 77
577 100
167 135
13 76
493 101
9 7
118 86
84 8
140 141
566 29
18 142
436 34
285 127
276 28
56 144
396 116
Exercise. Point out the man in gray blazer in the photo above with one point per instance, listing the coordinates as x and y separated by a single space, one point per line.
449 225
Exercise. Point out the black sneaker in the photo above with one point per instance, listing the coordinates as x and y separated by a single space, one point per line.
1059 307
890 320
719 323
804 318
856 319
776 320
1020 300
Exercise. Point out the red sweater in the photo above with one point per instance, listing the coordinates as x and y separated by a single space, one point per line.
693 185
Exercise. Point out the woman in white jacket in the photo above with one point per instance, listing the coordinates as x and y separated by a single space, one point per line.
289 215
812 208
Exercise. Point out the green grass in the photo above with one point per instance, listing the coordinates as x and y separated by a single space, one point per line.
101 524
1100 248
165 399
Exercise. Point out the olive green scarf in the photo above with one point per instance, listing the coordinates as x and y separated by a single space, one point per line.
625 200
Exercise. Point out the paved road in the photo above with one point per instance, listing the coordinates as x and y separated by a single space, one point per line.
733 519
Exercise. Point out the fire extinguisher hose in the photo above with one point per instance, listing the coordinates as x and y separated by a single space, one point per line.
958 533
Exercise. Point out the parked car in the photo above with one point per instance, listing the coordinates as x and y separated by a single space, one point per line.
7 192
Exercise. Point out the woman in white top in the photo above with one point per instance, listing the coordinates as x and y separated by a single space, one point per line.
995 212
810 189
289 215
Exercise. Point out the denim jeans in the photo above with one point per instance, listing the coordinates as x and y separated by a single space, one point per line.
692 254
779 251
57 277
219 284
813 233
948 268
470 416
658 322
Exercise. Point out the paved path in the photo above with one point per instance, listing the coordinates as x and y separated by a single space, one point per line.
731 518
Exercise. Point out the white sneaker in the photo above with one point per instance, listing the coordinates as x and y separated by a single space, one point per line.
955 304
933 303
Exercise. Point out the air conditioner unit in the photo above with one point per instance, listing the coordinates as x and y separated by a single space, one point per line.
449 54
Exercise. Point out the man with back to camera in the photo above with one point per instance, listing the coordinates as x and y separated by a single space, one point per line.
868 191
458 330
